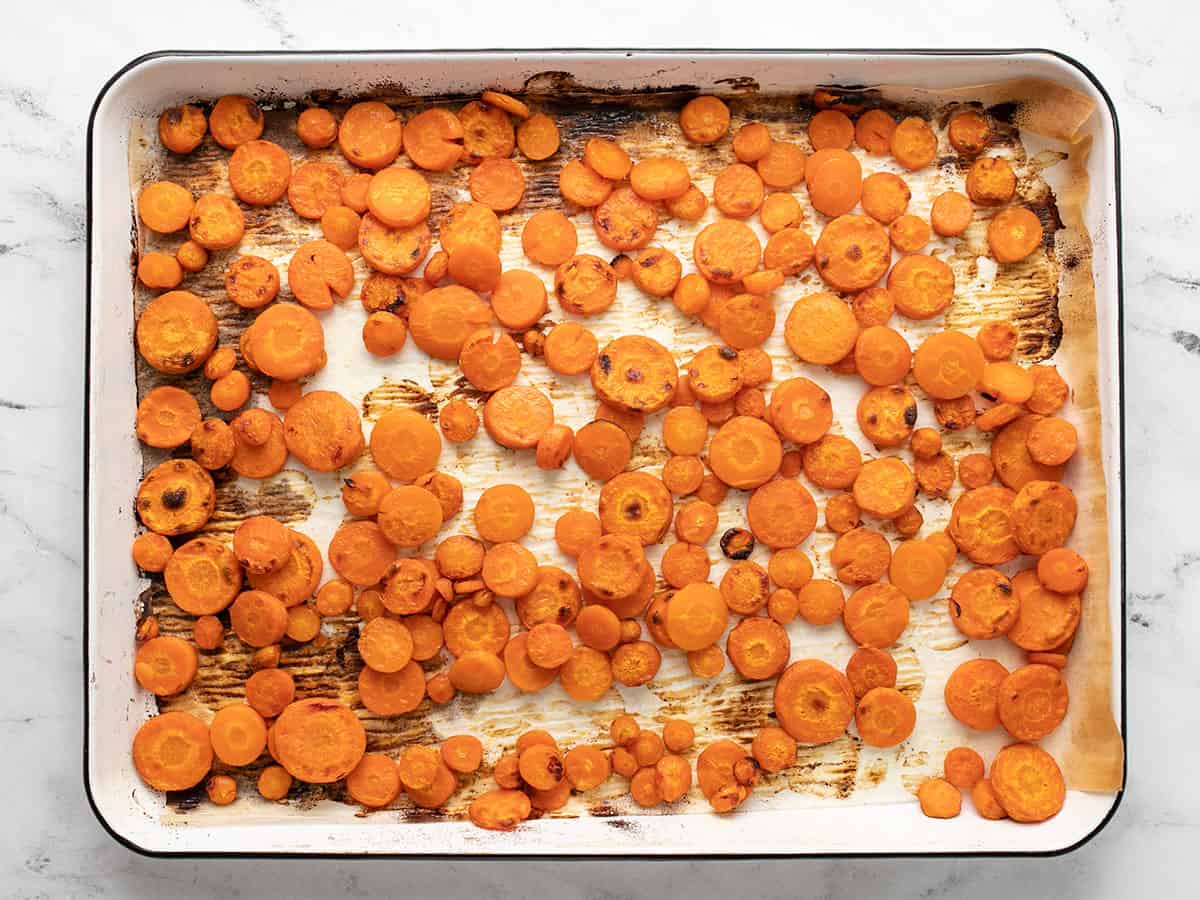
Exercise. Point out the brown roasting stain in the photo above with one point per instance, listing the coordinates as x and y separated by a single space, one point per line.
910 677
289 497
829 771
403 394
872 774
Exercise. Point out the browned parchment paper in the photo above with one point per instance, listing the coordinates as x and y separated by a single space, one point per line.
1049 297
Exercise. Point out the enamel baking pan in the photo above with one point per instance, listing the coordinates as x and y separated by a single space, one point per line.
114 707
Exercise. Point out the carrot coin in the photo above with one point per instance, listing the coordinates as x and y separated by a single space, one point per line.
498 184
835 182
391 693
852 253
353 192
234 120
607 159
1032 702
316 127
876 615
659 178
780 210
399 197
1015 466
821 328
624 220
405 444
487 133
259 172
782 166
983 604
870 668
885 487
745 452
1028 783
370 134
882 355
322 430
917 568
1043 516
758 648
939 799
696 616
165 207
182 128
1046 618
913 143
886 415
517 416
830 128
490 362
636 504
972 693
969 132
571 349
172 751
175 497
1063 571
433 139
519 299
951 214
1050 392
586 676
1052 441
549 238
781 513
884 717
319 740
738 191
657 271
751 142
813 701
374 782
1013 234
704 119
689 206
873 131
991 181
963 767
585 285
635 373
602 449
726 251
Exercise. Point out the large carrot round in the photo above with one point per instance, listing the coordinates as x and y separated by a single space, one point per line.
852 253
1028 783
259 172
319 740
813 701
948 365
172 751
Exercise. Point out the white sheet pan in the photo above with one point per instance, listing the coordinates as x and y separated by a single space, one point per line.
115 707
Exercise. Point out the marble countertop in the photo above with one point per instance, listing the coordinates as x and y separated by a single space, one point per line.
51 846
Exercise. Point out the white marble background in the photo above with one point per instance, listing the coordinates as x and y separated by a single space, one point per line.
51 66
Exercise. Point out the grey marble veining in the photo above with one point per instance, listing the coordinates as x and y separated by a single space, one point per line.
50 70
